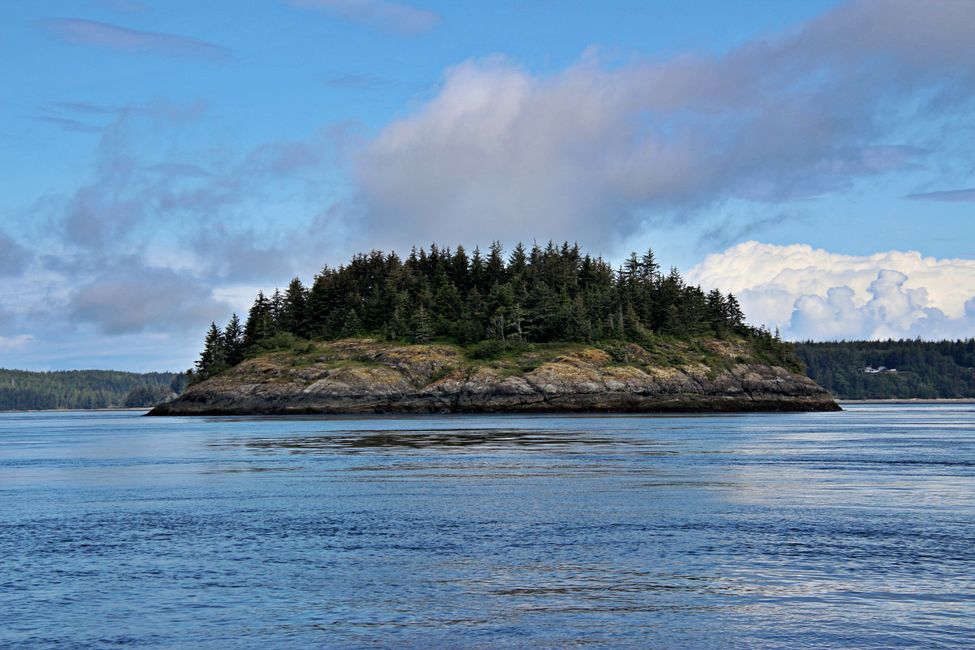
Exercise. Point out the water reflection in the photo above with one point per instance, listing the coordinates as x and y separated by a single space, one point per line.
427 439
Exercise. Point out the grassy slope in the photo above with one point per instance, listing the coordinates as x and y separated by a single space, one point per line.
712 355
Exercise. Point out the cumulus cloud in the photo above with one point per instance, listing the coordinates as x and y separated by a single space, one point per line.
388 16
815 294
90 32
595 151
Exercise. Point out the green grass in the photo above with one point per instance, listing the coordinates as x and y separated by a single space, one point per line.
513 358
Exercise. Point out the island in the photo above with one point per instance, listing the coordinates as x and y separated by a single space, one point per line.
546 330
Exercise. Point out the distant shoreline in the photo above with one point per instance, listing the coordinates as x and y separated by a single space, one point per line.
901 400
65 410
910 400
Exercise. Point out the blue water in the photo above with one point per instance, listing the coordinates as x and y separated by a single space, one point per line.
852 529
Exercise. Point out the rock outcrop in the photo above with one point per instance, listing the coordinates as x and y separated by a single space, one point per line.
365 376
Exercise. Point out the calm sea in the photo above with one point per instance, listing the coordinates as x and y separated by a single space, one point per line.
852 529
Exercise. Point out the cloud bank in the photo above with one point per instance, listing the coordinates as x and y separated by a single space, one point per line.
815 294
597 150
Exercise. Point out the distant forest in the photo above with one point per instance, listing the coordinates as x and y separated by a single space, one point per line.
85 389
892 369
537 295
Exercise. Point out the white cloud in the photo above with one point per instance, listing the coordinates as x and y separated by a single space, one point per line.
15 342
816 294
597 150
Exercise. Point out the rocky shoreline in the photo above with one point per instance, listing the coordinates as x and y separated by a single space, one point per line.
364 376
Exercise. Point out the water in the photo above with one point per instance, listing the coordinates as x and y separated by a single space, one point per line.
853 529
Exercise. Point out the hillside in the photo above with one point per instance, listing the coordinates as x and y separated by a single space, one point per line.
85 389
547 329
909 369
370 376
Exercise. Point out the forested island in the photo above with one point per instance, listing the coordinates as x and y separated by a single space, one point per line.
907 369
542 295
22 390
541 329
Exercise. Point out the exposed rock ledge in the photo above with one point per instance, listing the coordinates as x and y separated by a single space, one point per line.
363 376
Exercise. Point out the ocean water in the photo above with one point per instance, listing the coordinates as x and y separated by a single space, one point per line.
852 529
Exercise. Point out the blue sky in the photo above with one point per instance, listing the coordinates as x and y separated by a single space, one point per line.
163 160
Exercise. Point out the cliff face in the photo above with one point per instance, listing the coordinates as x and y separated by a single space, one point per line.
364 376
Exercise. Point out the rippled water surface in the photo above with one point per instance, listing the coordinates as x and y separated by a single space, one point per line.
852 529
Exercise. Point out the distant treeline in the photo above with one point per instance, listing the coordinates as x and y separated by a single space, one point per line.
85 389
547 294
892 369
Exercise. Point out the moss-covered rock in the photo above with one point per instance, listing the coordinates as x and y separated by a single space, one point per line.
368 376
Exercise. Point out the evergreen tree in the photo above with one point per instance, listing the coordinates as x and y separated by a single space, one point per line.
294 310
518 262
736 317
649 269
277 307
422 328
495 265
212 358
717 309
555 293
352 325
74 389
233 341
260 322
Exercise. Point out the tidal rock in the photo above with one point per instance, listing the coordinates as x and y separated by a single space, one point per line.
364 376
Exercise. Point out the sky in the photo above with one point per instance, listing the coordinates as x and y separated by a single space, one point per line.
162 161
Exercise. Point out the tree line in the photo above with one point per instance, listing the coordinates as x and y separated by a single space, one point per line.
537 295
914 369
85 389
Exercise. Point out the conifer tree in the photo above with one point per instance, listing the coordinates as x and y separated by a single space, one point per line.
649 269
495 265
518 261
352 325
260 322
549 294
422 328
294 309
717 312
736 317
233 341
212 358
277 306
